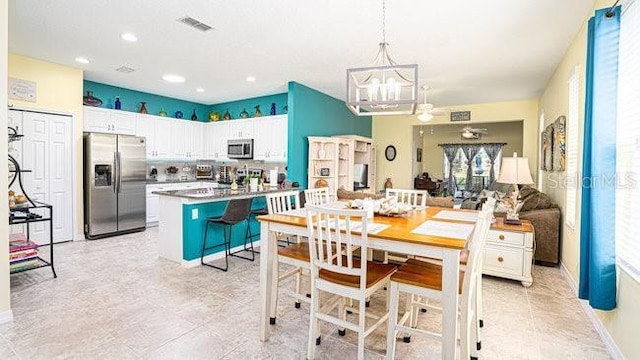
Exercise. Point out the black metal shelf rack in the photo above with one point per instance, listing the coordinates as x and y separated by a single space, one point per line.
24 215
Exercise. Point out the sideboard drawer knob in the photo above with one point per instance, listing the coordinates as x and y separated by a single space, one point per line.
501 237
500 259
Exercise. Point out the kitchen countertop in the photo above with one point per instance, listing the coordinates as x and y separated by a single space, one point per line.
217 194
177 181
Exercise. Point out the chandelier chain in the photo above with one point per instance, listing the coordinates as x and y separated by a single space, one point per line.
384 24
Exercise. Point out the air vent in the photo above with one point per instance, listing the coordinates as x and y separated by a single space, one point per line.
125 69
188 20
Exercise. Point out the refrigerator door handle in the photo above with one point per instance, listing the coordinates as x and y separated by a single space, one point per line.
116 173
119 165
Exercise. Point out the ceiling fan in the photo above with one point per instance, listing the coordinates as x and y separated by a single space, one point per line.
427 111
468 132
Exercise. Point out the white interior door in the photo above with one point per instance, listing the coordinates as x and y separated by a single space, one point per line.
47 153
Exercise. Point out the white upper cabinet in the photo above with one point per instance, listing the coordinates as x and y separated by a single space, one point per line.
146 128
196 146
179 139
242 129
215 141
109 121
270 141
163 138
157 131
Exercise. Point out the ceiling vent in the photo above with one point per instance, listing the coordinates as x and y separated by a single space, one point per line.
125 69
187 20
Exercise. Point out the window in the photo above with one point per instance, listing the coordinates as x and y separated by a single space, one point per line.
628 142
572 148
480 168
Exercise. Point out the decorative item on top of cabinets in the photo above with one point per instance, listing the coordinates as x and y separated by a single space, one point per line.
273 109
244 114
388 184
143 107
194 117
258 113
117 105
214 116
91 100
227 115
162 113
179 114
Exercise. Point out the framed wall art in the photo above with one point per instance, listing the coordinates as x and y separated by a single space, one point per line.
559 147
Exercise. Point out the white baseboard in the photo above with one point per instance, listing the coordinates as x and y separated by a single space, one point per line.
6 316
219 255
613 349
79 237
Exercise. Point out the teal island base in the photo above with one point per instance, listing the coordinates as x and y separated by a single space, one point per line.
182 222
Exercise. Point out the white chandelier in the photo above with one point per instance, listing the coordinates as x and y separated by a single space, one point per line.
384 88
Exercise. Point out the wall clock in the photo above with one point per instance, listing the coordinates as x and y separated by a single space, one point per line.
390 152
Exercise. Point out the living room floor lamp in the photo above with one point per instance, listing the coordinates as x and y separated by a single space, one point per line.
514 170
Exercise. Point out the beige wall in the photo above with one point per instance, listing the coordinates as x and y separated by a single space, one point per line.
5 304
397 131
621 323
59 90
432 155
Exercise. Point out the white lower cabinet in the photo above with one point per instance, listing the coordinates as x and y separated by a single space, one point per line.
509 254
153 200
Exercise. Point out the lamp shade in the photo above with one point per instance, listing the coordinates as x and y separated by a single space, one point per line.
515 170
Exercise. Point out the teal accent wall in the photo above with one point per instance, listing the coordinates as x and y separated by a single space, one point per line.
236 107
193 230
131 99
312 113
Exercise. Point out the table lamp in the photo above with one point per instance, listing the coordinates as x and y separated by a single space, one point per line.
514 170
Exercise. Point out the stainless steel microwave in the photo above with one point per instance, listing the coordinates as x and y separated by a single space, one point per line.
240 149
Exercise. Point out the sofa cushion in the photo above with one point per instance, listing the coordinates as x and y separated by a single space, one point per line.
353 195
532 199
445 202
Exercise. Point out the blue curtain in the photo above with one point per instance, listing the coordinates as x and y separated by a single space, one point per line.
597 228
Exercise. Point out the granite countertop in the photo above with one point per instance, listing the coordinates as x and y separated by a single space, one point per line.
217 194
176 181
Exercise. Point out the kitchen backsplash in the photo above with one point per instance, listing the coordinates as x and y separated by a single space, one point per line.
186 171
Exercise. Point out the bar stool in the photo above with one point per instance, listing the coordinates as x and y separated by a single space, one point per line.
254 213
237 211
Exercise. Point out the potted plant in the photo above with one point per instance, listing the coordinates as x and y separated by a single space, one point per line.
254 181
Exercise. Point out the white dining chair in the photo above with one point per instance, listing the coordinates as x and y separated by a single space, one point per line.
425 280
415 198
318 196
296 255
344 276
410 197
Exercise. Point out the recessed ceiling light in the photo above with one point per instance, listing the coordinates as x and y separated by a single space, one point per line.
82 60
200 90
129 37
172 78
251 79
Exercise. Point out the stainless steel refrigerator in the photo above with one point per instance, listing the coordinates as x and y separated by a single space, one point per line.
114 184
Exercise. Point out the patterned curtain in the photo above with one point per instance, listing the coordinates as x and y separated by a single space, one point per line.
470 151
492 151
450 152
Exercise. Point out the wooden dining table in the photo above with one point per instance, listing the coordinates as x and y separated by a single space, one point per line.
397 237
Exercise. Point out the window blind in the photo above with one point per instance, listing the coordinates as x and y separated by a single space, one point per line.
572 148
628 142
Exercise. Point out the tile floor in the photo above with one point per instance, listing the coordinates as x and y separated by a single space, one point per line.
114 299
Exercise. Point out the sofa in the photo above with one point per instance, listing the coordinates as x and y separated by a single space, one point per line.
538 208
343 194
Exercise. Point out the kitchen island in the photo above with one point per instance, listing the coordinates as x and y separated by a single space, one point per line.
182 217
